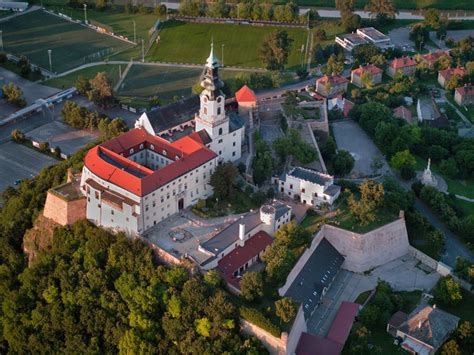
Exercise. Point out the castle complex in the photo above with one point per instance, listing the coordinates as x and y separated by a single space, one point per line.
134 181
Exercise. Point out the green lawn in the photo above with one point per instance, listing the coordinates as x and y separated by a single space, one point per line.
69 80
466 206
33 34
190 43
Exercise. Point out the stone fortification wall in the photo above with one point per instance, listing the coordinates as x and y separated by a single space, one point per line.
366 251
298 327
64 212
274 345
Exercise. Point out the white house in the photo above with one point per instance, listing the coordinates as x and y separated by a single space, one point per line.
309 186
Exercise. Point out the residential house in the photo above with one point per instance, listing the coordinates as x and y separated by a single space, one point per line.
331 85
404 65
444 75
431 57
246 99
340 103
428 112
403 113
464 95
424 330
374 72
309 186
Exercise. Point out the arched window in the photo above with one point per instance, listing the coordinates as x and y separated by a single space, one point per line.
164 152
220 131
152 147
141 146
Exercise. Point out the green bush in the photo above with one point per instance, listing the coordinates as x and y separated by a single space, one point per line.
255 317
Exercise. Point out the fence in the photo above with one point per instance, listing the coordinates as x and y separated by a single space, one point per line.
237 21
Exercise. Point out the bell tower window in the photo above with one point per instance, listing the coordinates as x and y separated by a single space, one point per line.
220 131
218 110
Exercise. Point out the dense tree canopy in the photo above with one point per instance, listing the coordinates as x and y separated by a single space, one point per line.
275 50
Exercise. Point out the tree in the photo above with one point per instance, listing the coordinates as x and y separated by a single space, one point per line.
285 309
83 85
419 34
223 180
451 348
18 136
203 327
449 167
251 286
433 18
371 196
101 92
365 52
403 159
219 9
13 94
334 65
349 20
447 291
381 9
275 50
367 80
343 163
465 336
453 82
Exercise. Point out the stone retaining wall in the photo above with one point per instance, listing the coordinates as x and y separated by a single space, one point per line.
276 346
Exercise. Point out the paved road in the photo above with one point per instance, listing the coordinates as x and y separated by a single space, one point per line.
453 246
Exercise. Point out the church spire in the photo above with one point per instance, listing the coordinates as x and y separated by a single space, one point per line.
212 60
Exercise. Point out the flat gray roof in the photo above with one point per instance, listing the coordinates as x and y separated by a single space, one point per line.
310 175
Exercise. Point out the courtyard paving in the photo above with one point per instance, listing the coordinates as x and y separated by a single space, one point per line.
403 274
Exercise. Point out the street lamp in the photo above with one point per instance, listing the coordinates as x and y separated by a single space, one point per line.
50 63
134 32
223 55
85 13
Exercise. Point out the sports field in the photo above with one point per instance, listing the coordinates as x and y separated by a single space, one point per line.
32 34
190 43
67 81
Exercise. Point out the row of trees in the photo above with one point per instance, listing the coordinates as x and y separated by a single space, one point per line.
81 117
98 89
380 10
249 10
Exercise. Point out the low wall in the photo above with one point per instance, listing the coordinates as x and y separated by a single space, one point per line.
422 257
161 254
367 251
299 326
273 344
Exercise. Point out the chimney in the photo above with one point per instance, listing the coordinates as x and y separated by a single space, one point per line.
242 231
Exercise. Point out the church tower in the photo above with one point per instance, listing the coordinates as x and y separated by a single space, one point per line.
212 116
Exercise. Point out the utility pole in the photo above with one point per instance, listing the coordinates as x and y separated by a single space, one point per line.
223 55
134 32
143 51
50 62
120 71
85 13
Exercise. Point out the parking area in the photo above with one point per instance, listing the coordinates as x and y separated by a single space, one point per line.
20 162
400 38
404 274
349 136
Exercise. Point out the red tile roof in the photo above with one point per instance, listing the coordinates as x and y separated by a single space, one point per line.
372 69
342 324
332 79
432 57
240 255
446 73
108 161
402 112
245 94
402 62
467 90
310 344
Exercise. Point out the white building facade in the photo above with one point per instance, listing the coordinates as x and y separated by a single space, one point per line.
310 187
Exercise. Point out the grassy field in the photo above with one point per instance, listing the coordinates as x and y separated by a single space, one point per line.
190 43
69 80
34 33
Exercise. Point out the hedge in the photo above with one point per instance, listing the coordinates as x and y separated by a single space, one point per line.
255 317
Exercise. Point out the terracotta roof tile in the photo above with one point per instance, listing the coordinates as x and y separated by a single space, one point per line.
372 69
245 94
402 62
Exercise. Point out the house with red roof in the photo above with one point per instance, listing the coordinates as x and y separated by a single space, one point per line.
370 70
340 103
432 57
464 95
444 75
246 99
403 65
331 85
405 114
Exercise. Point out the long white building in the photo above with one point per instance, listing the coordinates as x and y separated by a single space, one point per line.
134 181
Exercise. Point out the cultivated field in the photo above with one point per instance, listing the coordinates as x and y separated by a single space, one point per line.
34 33
190 43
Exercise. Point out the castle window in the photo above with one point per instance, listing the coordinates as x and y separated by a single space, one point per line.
141 146
220 131
152 147
218 110
164 152
219 99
